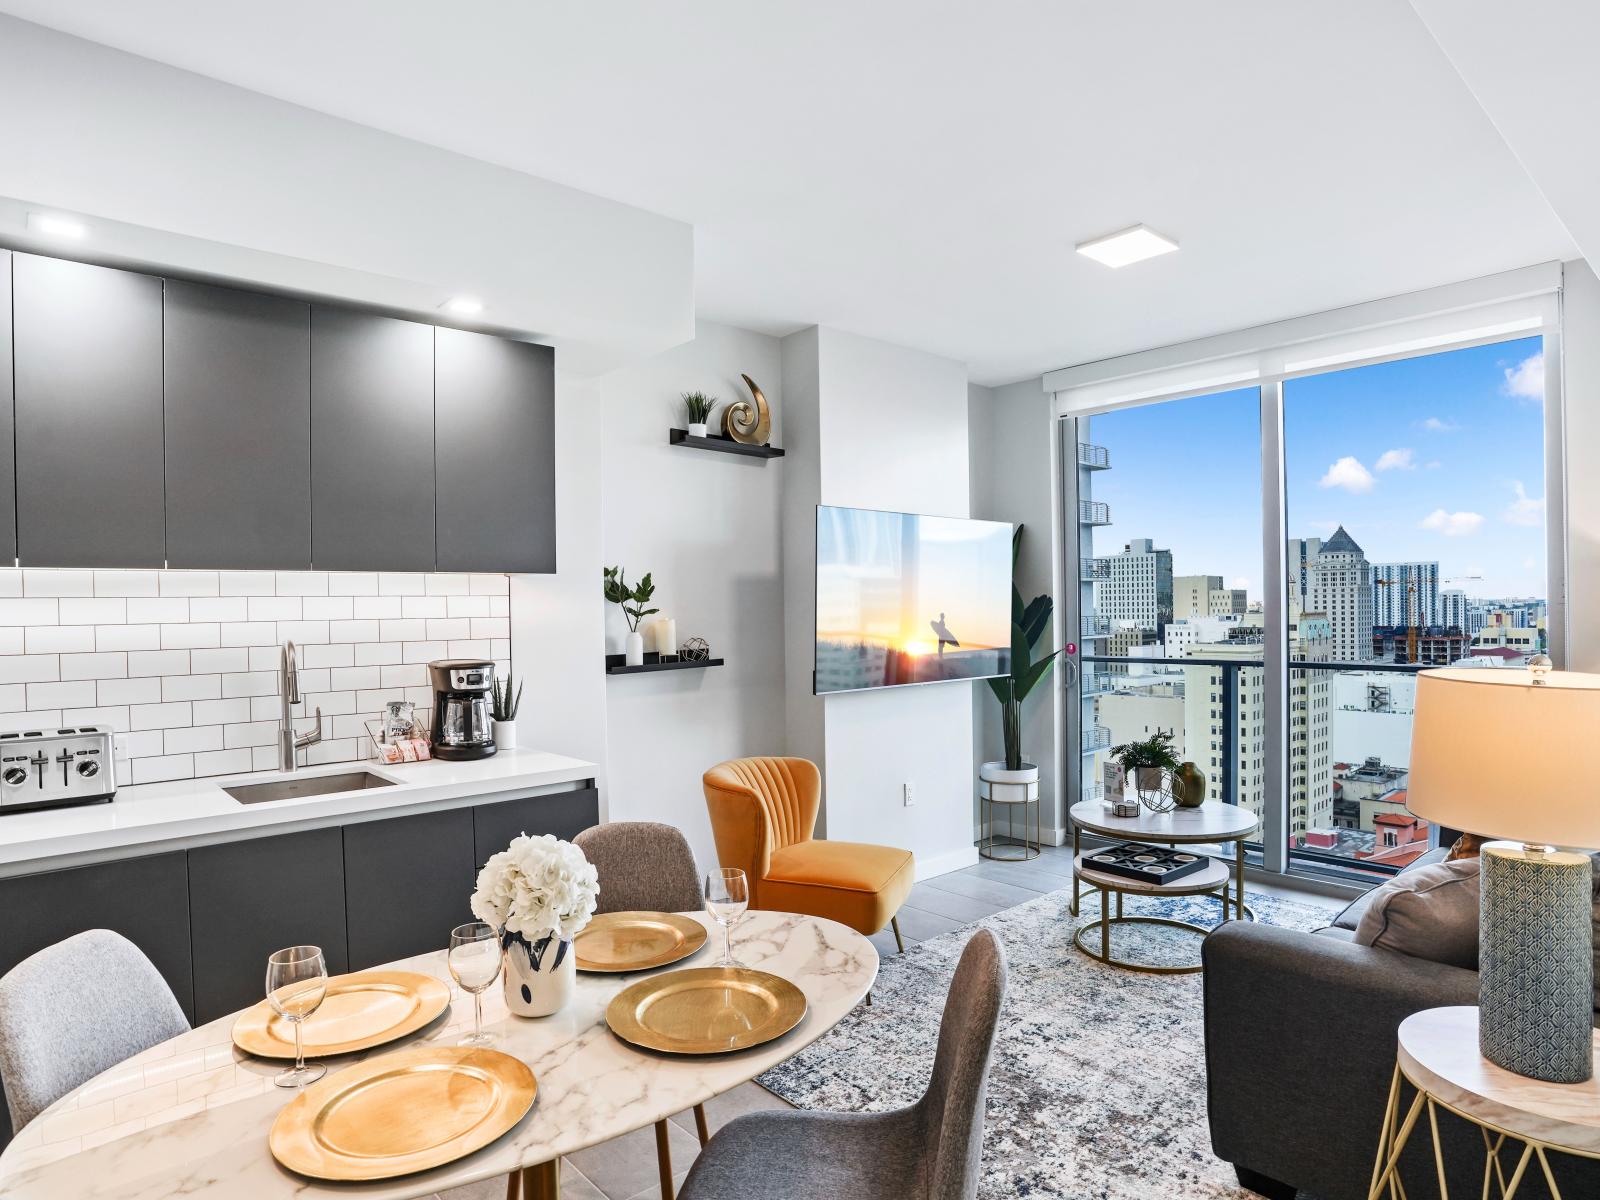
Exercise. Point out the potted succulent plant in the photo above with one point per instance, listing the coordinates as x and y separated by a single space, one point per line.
699 405
538 893
1015 775
1147 762
503 709
632 601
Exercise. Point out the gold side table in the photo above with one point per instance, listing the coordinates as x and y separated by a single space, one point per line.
1439 1058
1010 790
1212 881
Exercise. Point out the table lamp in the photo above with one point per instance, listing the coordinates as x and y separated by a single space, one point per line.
1506 754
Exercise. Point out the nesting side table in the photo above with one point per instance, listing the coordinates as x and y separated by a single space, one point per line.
1010 790
1439 1057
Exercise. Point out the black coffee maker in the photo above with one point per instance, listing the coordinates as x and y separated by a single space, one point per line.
463 716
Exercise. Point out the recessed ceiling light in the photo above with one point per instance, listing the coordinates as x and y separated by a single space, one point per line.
56 226
463 306
1127 246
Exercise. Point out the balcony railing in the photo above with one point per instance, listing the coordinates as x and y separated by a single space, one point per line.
1096 458
1352 854
1095 627
1091 570
1093 683
1094 790
1094 512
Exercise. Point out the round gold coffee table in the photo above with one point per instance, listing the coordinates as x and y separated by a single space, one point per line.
1213 880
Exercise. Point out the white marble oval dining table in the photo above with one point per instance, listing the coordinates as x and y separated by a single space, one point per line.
190 1116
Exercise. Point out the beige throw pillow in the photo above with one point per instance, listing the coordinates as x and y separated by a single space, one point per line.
1430 912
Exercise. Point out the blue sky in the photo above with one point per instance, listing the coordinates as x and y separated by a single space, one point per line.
1438 458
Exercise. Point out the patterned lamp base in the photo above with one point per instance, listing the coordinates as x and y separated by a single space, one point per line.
1536 963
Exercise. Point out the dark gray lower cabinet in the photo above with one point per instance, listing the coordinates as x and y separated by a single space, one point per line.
247 899
407 883
563 814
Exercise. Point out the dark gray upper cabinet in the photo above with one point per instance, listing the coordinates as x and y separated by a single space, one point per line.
238 428
494 447
87 367
8 431
372 490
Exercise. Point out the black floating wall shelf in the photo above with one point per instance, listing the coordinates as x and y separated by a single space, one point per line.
680 437
617 664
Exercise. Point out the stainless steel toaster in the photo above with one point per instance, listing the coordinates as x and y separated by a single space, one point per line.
51 768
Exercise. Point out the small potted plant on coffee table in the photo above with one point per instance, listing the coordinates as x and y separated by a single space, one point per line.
1147 763
699 405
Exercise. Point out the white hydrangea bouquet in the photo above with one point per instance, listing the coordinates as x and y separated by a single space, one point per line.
540 893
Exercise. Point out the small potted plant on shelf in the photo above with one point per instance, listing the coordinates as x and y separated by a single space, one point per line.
632 601
538 893
1147 762
503 706
1014 777
699 405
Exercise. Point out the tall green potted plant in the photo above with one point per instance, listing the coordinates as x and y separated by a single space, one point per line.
1014 778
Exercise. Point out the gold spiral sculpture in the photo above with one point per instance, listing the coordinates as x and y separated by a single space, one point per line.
747 423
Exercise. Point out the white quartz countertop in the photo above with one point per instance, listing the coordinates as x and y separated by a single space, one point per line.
157 816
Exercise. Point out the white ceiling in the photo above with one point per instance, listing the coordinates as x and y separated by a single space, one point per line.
919 171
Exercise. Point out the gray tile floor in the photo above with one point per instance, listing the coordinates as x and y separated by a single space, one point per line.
625 1168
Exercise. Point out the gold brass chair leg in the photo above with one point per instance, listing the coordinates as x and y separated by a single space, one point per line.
894 924
542 1182
512 1190
700 1125
664 1159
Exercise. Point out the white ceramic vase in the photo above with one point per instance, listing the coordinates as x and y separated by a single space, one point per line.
505 735
697 430
539 977
633 649
1009 787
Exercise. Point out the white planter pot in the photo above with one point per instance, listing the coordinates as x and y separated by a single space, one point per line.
539 978
1001 786
633 650
505 735
697 430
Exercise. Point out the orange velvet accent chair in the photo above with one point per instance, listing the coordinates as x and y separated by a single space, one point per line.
763 813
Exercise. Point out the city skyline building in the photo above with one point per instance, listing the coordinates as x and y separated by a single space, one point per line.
1339 586
1405 593
1139 590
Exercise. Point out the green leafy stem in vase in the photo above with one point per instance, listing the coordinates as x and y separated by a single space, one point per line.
633 599
699 406
505 702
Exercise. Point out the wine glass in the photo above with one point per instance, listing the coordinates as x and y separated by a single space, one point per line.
727 896
297 981
474 959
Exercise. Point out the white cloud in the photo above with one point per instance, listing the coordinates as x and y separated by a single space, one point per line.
1453 524
1525 381
1525 509
1349 474
1396 460
1437 425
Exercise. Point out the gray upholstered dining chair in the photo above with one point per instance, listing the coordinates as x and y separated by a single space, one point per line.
75 1009
646 865
930 1150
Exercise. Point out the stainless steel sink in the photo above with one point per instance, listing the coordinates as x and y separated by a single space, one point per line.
307 785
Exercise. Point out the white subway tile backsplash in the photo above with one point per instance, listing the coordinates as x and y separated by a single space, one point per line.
127 583
57 583
29 612
111 665
58 639
192 687
79 693
129 691
127 637
183 665
189 583
158 662
146 611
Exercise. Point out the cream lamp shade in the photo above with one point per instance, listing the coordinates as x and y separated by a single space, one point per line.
1495 754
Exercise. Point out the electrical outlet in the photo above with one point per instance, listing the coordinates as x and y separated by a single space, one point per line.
908 794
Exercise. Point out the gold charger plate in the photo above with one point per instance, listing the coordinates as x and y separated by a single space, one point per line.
636 941
706 1010
360 1011
403 1112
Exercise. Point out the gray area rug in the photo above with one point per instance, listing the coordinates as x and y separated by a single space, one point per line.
1098 1083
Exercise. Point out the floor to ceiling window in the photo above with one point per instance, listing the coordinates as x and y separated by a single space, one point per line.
1263 570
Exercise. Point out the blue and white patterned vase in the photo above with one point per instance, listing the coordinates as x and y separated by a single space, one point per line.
539 976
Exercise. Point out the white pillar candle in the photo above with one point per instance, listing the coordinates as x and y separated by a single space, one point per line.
666 636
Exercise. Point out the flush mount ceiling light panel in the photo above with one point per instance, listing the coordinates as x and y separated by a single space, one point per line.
463 306
54 225
1127 246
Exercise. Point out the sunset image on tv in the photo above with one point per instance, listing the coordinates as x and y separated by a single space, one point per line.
910 599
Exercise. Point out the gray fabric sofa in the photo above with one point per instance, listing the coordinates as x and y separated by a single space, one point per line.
1300 1048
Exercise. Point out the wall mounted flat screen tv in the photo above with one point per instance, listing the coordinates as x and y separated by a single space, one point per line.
905 599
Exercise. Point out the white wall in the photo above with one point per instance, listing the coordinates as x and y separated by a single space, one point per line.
1580 347
707 526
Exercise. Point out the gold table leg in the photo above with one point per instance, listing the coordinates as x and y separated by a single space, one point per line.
664 1159
1077 848
542 1182
700 1126
1238 878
